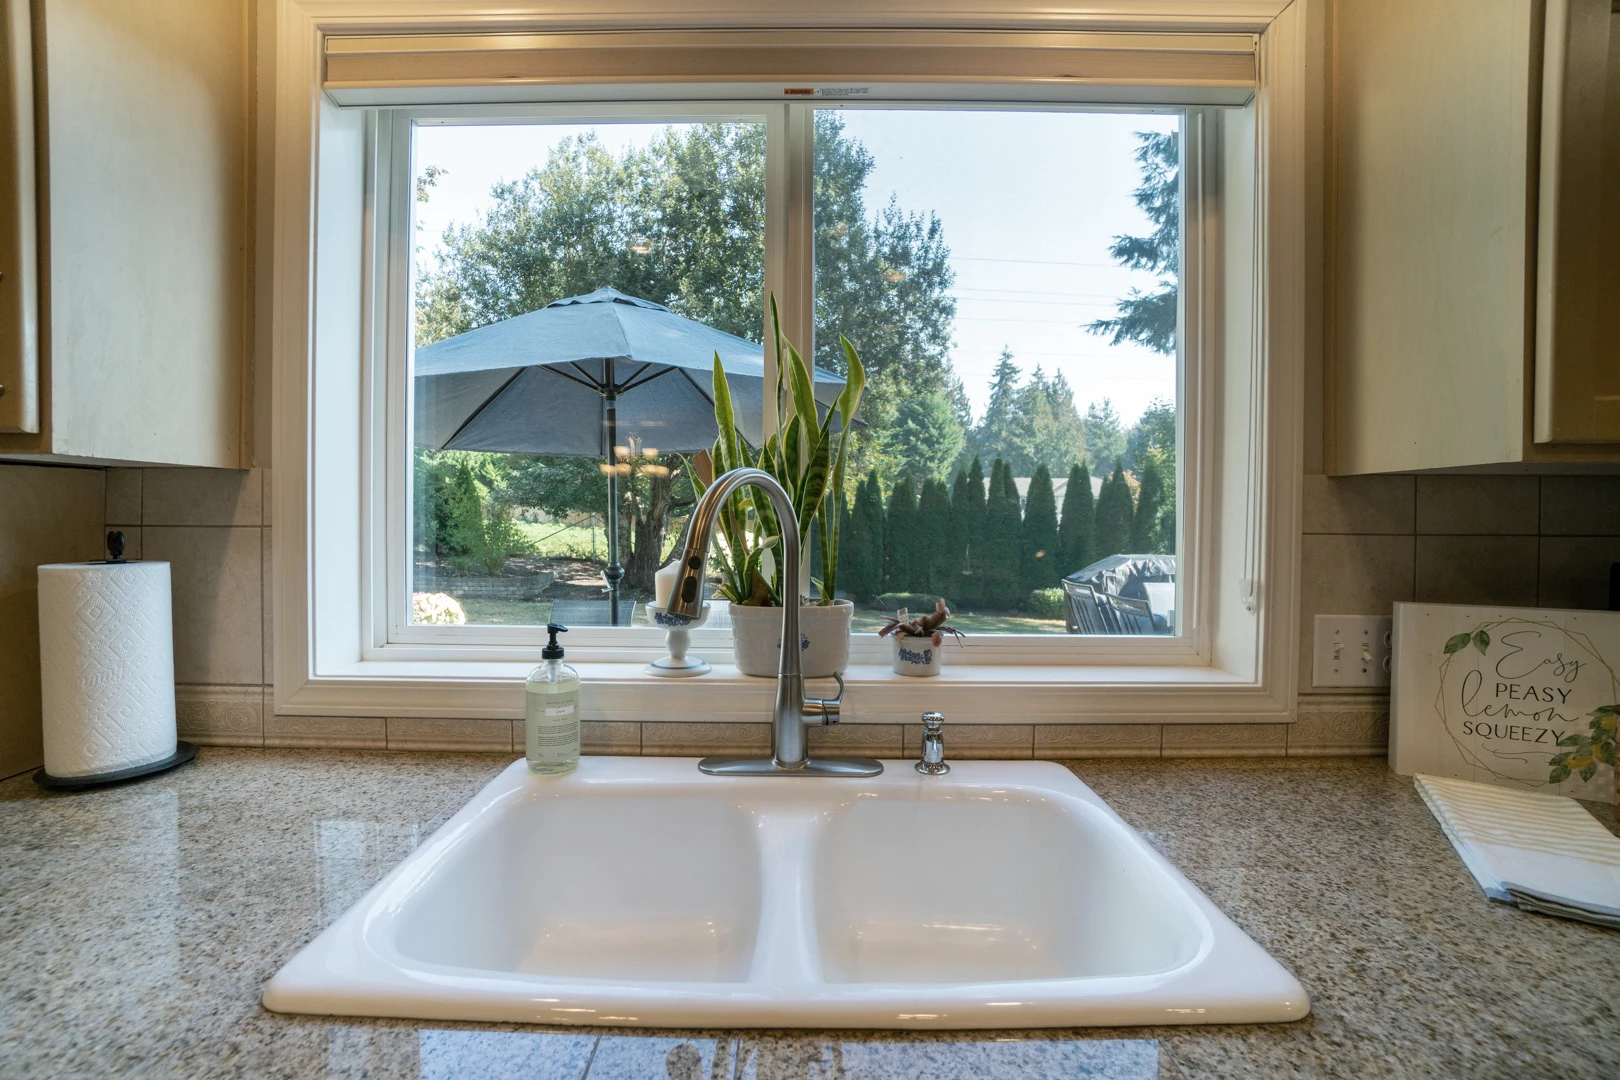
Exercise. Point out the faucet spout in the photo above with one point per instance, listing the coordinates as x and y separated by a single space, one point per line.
789 750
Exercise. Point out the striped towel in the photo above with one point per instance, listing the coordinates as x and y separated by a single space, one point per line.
1542 852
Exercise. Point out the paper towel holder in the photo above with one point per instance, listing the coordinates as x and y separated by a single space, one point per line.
183 752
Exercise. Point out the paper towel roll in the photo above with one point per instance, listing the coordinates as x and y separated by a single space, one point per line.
106 660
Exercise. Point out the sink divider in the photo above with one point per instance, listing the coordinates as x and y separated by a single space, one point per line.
787 951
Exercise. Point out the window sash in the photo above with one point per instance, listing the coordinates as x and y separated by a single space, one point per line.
789 275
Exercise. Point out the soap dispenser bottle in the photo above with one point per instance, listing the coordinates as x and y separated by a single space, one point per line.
551 726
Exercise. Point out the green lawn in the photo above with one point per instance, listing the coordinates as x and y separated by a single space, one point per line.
557 541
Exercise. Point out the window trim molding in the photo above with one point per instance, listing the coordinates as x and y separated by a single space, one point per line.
319 609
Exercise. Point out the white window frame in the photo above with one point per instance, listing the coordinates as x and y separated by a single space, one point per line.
337 378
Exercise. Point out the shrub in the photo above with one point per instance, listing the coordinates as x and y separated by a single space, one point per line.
1046 603
437 607
911 601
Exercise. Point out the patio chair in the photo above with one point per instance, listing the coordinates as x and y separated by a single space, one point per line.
1085 614
590 612
1131 616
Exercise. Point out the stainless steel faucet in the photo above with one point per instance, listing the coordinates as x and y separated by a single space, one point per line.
793 710
933 748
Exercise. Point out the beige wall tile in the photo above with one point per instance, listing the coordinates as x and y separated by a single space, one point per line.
1357 504
46 515
264 495
600 737
202 497
1580 506
218 600
1502 505
861 740
268 608
1097 740
976 741
331 732
1225 740
123 497
671 738
1476 570
1337 725
415 733
220 715
1350 575
1575 570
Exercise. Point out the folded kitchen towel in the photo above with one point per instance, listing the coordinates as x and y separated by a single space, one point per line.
1542 852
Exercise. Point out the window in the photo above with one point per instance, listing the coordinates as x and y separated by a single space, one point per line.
1009 275
340 322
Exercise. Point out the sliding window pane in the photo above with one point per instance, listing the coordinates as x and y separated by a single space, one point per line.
569 279
1010 280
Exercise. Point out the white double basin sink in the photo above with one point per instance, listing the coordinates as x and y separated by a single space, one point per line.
640 892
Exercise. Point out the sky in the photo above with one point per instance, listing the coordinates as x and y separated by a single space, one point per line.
1029 201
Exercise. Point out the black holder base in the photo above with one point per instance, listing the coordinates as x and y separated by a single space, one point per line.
183 752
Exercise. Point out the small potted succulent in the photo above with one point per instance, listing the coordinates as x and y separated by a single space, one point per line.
918 642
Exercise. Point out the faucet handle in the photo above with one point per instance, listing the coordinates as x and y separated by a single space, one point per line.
825 708
933 723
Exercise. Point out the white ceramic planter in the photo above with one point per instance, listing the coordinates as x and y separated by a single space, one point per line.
917 656
756 639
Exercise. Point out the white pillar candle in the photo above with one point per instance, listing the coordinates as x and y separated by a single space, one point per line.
664 582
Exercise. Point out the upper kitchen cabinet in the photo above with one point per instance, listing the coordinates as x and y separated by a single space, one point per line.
124 230
1473 315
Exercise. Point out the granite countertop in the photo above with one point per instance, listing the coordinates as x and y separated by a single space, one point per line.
138 925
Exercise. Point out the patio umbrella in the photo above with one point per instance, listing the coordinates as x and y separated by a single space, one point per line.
583 375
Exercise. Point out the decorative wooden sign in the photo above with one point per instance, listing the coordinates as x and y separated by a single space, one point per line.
1521 697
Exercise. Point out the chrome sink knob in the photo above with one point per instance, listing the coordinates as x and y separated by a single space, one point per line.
933 747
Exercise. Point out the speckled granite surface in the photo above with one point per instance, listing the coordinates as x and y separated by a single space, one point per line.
139 924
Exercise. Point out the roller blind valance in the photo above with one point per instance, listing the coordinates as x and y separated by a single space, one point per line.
811 63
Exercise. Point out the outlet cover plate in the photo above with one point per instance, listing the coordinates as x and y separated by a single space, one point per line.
1352 650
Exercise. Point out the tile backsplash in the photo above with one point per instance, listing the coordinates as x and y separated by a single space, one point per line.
1368 542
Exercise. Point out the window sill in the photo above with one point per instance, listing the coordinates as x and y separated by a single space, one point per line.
982 694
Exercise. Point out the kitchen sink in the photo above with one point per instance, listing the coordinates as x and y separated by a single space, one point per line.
639 891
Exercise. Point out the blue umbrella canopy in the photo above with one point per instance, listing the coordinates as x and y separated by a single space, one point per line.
546 382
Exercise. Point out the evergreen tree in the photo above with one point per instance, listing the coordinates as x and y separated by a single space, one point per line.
900 532
1077 535
1114 514
1105 438
933 533
1038 541
958 540
1150 318
926 437
1147 535
997 431
969 514
852 547
1002 525
869 524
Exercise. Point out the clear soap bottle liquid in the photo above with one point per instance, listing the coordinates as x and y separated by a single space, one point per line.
551 725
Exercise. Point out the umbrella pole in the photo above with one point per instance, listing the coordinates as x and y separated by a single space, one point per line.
614 572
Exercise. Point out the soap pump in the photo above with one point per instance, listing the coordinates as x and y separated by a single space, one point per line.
551 724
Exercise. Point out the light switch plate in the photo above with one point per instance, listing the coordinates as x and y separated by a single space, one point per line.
1352 650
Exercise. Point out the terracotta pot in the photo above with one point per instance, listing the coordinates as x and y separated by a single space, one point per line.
756 639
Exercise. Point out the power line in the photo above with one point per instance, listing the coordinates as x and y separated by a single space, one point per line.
1033 262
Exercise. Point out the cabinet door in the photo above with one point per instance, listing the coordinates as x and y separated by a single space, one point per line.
1577 388
19 301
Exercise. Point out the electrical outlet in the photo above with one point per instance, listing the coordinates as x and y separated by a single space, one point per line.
1352 650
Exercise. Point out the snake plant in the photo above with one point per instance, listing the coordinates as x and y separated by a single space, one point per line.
805 455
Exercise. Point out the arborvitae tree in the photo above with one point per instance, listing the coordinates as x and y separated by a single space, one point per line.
1077 534
1038 541
900 532
999 563
1114 513
958 540
870 525
1146 527
852 548
969 514
933 536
